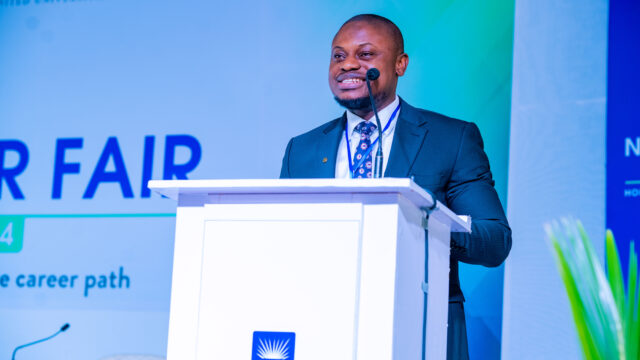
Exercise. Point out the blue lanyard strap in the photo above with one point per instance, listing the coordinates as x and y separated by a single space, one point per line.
352 167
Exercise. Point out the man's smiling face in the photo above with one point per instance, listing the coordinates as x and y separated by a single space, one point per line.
358 47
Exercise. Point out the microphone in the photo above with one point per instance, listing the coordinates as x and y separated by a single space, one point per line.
373 74
62 329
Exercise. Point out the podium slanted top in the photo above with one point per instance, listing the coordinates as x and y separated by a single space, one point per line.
173 189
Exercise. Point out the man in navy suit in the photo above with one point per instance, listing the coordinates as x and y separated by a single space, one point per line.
441 154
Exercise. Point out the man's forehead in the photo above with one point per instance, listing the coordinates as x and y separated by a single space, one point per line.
362 32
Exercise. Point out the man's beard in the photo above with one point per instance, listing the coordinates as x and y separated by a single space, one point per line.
362 104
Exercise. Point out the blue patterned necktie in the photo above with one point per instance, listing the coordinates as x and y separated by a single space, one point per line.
365 170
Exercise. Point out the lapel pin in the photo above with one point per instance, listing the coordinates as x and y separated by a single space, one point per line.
324 160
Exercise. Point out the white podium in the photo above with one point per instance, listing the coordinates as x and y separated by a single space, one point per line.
336 267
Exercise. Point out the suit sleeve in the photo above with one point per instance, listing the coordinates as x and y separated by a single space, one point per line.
471 191
284 171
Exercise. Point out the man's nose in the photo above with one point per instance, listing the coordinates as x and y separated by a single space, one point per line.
350 63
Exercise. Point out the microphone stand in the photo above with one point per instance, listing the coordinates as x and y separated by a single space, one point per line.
373 74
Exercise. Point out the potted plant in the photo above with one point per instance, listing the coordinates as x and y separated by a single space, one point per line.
605 311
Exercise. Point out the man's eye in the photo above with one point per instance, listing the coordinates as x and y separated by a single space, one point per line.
366 54
338 56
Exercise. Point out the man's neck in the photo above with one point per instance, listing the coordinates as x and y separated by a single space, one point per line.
367 114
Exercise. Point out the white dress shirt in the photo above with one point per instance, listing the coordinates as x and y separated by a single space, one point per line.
342 160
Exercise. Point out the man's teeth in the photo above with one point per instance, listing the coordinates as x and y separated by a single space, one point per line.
352 81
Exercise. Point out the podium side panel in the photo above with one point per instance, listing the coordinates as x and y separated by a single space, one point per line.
438 289
183 317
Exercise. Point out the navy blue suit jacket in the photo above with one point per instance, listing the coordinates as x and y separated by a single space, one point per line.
445 156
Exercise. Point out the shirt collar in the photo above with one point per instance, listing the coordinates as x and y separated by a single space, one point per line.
385 114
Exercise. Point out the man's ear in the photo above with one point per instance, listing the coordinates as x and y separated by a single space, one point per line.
402 61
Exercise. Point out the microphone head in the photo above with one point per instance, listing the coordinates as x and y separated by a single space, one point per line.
64 327
373 74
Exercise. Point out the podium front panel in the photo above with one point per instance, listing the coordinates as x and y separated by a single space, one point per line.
269 268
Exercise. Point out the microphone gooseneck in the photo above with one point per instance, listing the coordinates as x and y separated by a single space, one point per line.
373 74
62 329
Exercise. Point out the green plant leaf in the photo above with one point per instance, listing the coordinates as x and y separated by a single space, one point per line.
608 326
614 271
632 326
577 309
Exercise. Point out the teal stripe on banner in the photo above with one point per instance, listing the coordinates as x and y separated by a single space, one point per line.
632 182
95 215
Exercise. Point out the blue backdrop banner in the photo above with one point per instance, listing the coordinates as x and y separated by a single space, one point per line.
623 126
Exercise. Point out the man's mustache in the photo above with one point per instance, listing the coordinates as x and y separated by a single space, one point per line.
350 75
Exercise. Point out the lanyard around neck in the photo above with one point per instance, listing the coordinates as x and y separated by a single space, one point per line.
352 167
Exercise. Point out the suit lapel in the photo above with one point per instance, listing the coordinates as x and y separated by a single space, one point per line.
407 141
328 147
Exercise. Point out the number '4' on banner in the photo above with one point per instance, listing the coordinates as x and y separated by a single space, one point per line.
11 233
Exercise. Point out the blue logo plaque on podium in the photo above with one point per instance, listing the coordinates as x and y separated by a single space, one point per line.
273 345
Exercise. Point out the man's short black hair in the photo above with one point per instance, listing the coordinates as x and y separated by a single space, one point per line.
392 28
